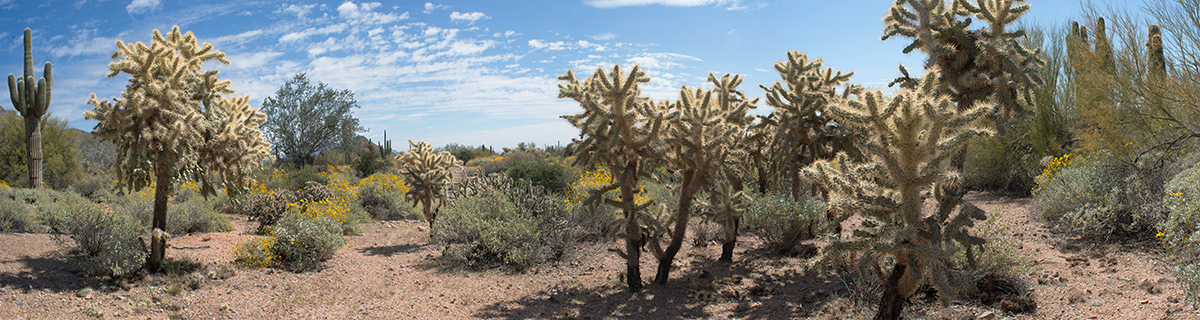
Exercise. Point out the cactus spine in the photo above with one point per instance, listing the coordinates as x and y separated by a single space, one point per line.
32 99
427 173
914 133
618 127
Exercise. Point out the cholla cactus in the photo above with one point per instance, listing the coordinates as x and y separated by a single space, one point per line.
174 120
427 173
987 64
618 127
914 133
803 132
709 125
32 99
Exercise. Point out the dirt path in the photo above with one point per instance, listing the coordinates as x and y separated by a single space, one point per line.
391 273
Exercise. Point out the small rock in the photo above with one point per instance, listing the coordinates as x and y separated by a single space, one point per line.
206 238
987 315
1144 301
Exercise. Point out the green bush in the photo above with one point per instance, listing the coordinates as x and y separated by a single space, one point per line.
97 187
555 177
111 240
16 217
194 214
999 255
55 212
302 243
382 195
502 221
298 178
1001 163
60 150
781 221
266 208
1078 194
486 230
1180 231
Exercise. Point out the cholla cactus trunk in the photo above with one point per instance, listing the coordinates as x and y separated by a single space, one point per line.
162 192
31 99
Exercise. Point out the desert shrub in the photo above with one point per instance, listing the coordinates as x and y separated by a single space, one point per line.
97 187
510 159
267 208
595 222
485 230
55 212
1180 231
1000 254
781 221
496 220
111 240
1001 163
1076 191
196 214
553 175
382 195
256 253
302 243
60 151
16 217
315 192
298 178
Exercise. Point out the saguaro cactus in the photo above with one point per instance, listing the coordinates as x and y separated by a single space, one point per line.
427 173
914 133
1154 46
32 99
618 127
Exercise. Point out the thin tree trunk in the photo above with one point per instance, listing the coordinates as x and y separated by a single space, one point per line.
158 240
633 240
33 149
687 193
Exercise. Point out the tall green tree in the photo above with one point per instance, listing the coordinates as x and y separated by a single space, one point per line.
176 121
32 99
304 120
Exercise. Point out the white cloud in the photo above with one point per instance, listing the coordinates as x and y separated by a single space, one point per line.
552 46
85 43
301 35
606 36
300 10
731 5
238 38
364 13
661 60
469 17
429 7
252 60
142 6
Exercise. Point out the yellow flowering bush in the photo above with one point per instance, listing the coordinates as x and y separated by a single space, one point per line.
1053 167
382 195
255 253
4 185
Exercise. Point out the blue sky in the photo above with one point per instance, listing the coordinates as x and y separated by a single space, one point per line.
469 72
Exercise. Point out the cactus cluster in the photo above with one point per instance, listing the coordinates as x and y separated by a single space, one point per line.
703 130
618 128
914 133
985 64
801 129
174 121
31 98
427 174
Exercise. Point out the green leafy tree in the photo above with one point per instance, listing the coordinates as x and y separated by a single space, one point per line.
304 120
60 142
914 133
427 173
617 129
174 121
32 99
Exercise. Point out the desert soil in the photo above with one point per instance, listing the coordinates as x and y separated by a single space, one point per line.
390 272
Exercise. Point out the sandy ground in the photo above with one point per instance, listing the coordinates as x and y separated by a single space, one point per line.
390 272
